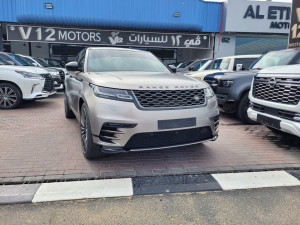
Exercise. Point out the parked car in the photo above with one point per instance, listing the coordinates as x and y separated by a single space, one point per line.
232 89
226 64
18 83
58 81
62 71
196 65
127 100
275 99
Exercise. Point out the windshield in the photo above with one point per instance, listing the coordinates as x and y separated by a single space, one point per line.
2 62
100 60
23 63
55 63
221 64
197 65
184 64
275 59
42 62
29 61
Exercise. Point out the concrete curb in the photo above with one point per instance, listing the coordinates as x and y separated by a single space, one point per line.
143 173
75 190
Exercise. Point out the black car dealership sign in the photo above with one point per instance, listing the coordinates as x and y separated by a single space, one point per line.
294 39
105 37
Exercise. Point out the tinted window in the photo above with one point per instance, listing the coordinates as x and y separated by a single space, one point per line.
122 60
221 64
2 62
7 59
19 60
246 62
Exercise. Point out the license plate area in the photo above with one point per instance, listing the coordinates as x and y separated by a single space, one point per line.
268 121
177 123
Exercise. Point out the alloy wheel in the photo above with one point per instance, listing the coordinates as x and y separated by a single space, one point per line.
83 129
8 97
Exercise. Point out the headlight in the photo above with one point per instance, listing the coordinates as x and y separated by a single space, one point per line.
209 92
226 83
30 75
54 73
117 94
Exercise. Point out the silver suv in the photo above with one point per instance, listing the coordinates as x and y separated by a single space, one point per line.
127 100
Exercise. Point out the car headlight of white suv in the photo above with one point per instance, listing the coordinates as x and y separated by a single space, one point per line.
209 92
111 93
30 75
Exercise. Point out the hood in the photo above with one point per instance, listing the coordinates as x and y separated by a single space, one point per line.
290 69
203 73
31 69
236 75
143 80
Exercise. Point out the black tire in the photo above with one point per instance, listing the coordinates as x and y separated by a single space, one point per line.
68 111
10 96
89 148
242 110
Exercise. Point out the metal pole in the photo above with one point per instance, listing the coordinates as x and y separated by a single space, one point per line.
1 38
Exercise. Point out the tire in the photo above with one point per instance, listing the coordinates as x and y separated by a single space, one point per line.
68 112
242 110
89 148
10 96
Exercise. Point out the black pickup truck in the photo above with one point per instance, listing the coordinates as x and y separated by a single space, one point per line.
232 89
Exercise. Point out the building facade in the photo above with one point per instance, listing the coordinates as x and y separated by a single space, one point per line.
176 30
253 27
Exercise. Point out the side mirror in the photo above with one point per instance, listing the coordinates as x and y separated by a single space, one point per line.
72 66
173 68
239 67
191 68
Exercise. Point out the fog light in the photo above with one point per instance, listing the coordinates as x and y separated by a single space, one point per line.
297 117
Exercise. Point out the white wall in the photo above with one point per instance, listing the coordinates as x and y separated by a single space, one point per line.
263 12
225 49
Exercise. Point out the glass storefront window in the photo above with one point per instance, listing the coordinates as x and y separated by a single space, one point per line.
248 45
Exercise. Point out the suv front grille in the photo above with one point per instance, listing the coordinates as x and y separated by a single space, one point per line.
170 98
286 90
48 86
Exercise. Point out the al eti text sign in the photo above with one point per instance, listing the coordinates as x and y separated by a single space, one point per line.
294 40
106 37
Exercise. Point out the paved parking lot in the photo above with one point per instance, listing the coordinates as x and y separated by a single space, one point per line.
37 143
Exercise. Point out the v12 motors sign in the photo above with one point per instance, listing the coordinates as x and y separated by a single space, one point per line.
105 37
294 40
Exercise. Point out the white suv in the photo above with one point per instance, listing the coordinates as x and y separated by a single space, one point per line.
275 99
19 82
226 64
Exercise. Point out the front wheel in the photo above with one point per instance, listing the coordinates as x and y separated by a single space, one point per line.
243 106
89 148
10 96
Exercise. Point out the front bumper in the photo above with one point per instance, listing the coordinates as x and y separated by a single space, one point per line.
287 126
226 104
145 123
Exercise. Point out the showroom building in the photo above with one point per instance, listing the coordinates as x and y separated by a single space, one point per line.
253 27
175 31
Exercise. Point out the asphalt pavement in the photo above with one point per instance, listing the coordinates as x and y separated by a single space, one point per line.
252 206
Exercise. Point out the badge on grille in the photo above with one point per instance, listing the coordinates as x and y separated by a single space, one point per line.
196 98
272 82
